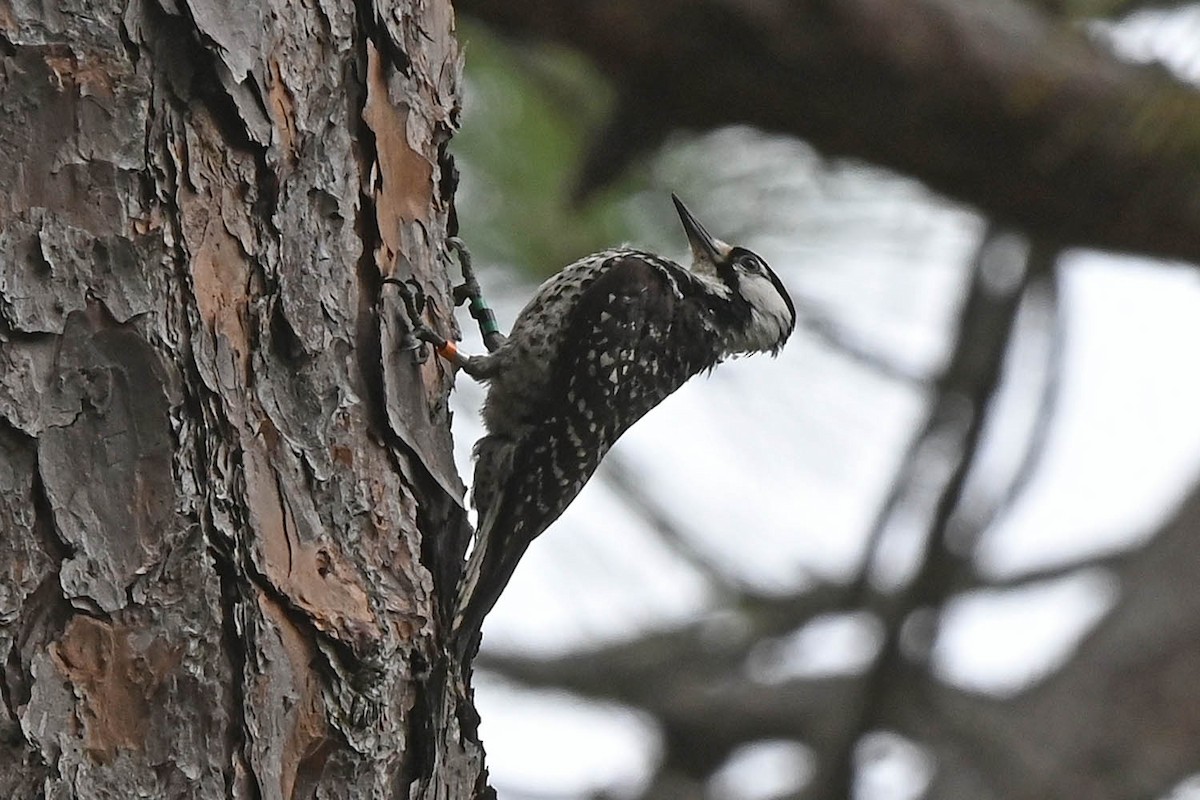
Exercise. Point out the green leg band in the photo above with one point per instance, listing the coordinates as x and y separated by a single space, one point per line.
484 315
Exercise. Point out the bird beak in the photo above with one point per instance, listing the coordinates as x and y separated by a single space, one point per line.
705 249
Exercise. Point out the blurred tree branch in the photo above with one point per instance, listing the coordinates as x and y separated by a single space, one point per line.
928 490
1117 720
825 328
1043 298
694 682
997 103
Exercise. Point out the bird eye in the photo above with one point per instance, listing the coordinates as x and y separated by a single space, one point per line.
752 264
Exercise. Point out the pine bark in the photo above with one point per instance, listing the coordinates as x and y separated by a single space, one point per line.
228 506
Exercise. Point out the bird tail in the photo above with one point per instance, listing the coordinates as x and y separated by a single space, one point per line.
489 566
475 567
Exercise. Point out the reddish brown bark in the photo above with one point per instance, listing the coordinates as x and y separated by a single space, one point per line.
227 500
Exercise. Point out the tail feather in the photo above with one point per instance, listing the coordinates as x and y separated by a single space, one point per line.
489 566
476 564
515 506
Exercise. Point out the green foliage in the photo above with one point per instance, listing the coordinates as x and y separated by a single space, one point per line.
529 112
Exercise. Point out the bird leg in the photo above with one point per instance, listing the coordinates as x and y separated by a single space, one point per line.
419 334
469 290
480 367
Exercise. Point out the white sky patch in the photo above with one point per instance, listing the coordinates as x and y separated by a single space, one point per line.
890 767
552 743
1187 789
1125 444
1000 642
763 770
1167 36
756 464
831 644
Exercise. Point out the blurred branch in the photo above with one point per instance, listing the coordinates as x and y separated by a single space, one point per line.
994 103
1116 721
951 433
962 391
704 719
1114 562
714 645
1043 288
693 680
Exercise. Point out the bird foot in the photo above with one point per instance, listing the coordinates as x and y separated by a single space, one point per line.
418 332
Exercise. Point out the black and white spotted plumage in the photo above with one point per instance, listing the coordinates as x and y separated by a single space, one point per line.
598 346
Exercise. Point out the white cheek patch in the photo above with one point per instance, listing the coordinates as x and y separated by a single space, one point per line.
770 316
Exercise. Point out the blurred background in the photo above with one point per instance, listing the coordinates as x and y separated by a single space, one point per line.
947 544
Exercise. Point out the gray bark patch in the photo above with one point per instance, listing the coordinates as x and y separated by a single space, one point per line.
108 474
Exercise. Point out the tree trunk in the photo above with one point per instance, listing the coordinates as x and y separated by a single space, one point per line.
228 507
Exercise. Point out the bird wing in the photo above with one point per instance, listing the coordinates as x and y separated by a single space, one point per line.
633 338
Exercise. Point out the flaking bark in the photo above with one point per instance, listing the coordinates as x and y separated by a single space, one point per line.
227 500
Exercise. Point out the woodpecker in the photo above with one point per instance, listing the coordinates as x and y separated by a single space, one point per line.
599 345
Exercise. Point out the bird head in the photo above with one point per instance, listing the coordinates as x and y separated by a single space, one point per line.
764 311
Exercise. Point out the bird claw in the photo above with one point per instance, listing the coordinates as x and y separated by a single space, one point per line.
418 333
469 289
